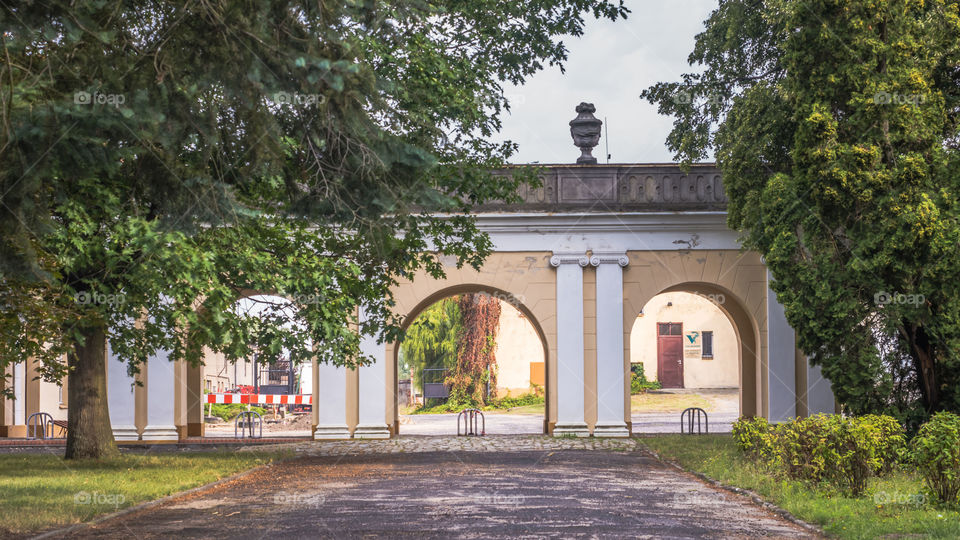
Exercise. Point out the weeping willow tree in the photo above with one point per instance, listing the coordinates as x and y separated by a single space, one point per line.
431 340
476 349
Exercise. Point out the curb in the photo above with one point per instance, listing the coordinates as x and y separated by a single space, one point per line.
150 504
757 499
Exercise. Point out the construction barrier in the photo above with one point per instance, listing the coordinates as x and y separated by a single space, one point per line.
261 399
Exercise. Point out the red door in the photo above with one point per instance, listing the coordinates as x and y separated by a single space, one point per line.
670 355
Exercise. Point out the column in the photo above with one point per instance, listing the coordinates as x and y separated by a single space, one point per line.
161 399
120 398
781 359
611 390
371 422
19 394
570 395
330 401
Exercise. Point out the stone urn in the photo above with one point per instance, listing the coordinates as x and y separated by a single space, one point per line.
585 130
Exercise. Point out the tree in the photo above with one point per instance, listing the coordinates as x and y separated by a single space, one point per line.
476 349
160 159
835 128
431 339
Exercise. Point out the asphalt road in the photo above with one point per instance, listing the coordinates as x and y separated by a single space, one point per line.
528 494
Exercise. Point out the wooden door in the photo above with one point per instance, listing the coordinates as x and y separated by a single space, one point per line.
670 355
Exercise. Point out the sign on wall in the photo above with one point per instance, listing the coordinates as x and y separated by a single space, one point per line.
692 345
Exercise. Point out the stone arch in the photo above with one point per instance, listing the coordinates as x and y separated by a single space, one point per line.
523 278
739 277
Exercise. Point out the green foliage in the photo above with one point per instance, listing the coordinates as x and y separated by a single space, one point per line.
896 509
835 127
167 158
936 453
844 452
638 380
752 436
494 404
229 411
431 339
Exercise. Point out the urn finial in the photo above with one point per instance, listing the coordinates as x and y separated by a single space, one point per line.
585 130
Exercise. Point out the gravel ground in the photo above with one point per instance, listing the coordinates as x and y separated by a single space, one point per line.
541 487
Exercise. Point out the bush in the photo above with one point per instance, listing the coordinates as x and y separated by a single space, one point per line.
752 436
638 380
936 453
230 411
845 452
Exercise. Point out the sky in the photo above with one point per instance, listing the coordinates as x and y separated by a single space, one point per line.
608 66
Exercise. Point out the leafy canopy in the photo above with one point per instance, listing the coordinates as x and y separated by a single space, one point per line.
835 126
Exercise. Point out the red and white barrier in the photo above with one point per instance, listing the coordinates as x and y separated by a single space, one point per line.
261 399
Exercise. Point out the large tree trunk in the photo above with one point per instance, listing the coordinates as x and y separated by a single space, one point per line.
923 359
89 435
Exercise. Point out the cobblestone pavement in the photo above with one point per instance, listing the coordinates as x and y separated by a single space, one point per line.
445 487
490 443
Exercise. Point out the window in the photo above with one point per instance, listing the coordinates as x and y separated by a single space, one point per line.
670 329
707 337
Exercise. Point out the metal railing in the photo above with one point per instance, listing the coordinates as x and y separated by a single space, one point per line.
40 426
691 414
468 419
245 423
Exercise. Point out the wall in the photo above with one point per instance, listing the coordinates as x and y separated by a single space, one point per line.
697 313
517 346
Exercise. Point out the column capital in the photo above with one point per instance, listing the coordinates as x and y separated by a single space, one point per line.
608 257
559 258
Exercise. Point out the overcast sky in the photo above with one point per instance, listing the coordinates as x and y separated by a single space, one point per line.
608 66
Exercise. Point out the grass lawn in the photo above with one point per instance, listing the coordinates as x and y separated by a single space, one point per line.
654 402
893 506
43 491
537 408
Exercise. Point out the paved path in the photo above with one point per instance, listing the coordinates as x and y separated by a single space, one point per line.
540 487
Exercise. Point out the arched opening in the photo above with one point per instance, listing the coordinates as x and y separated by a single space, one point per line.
265 382
692 345
516 392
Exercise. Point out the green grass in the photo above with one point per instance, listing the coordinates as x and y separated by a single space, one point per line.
44 491
530 402
666 402
871 516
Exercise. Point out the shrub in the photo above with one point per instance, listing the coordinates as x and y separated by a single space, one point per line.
638 380
845 452
892 444
229 411
752 436
936 453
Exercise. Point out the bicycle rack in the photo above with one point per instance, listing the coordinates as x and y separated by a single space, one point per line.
245 421
469 417
691 414
40 422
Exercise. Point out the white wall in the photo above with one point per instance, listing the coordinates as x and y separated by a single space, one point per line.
696 313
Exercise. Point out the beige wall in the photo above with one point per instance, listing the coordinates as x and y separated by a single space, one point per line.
697 313
517 346
216 369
